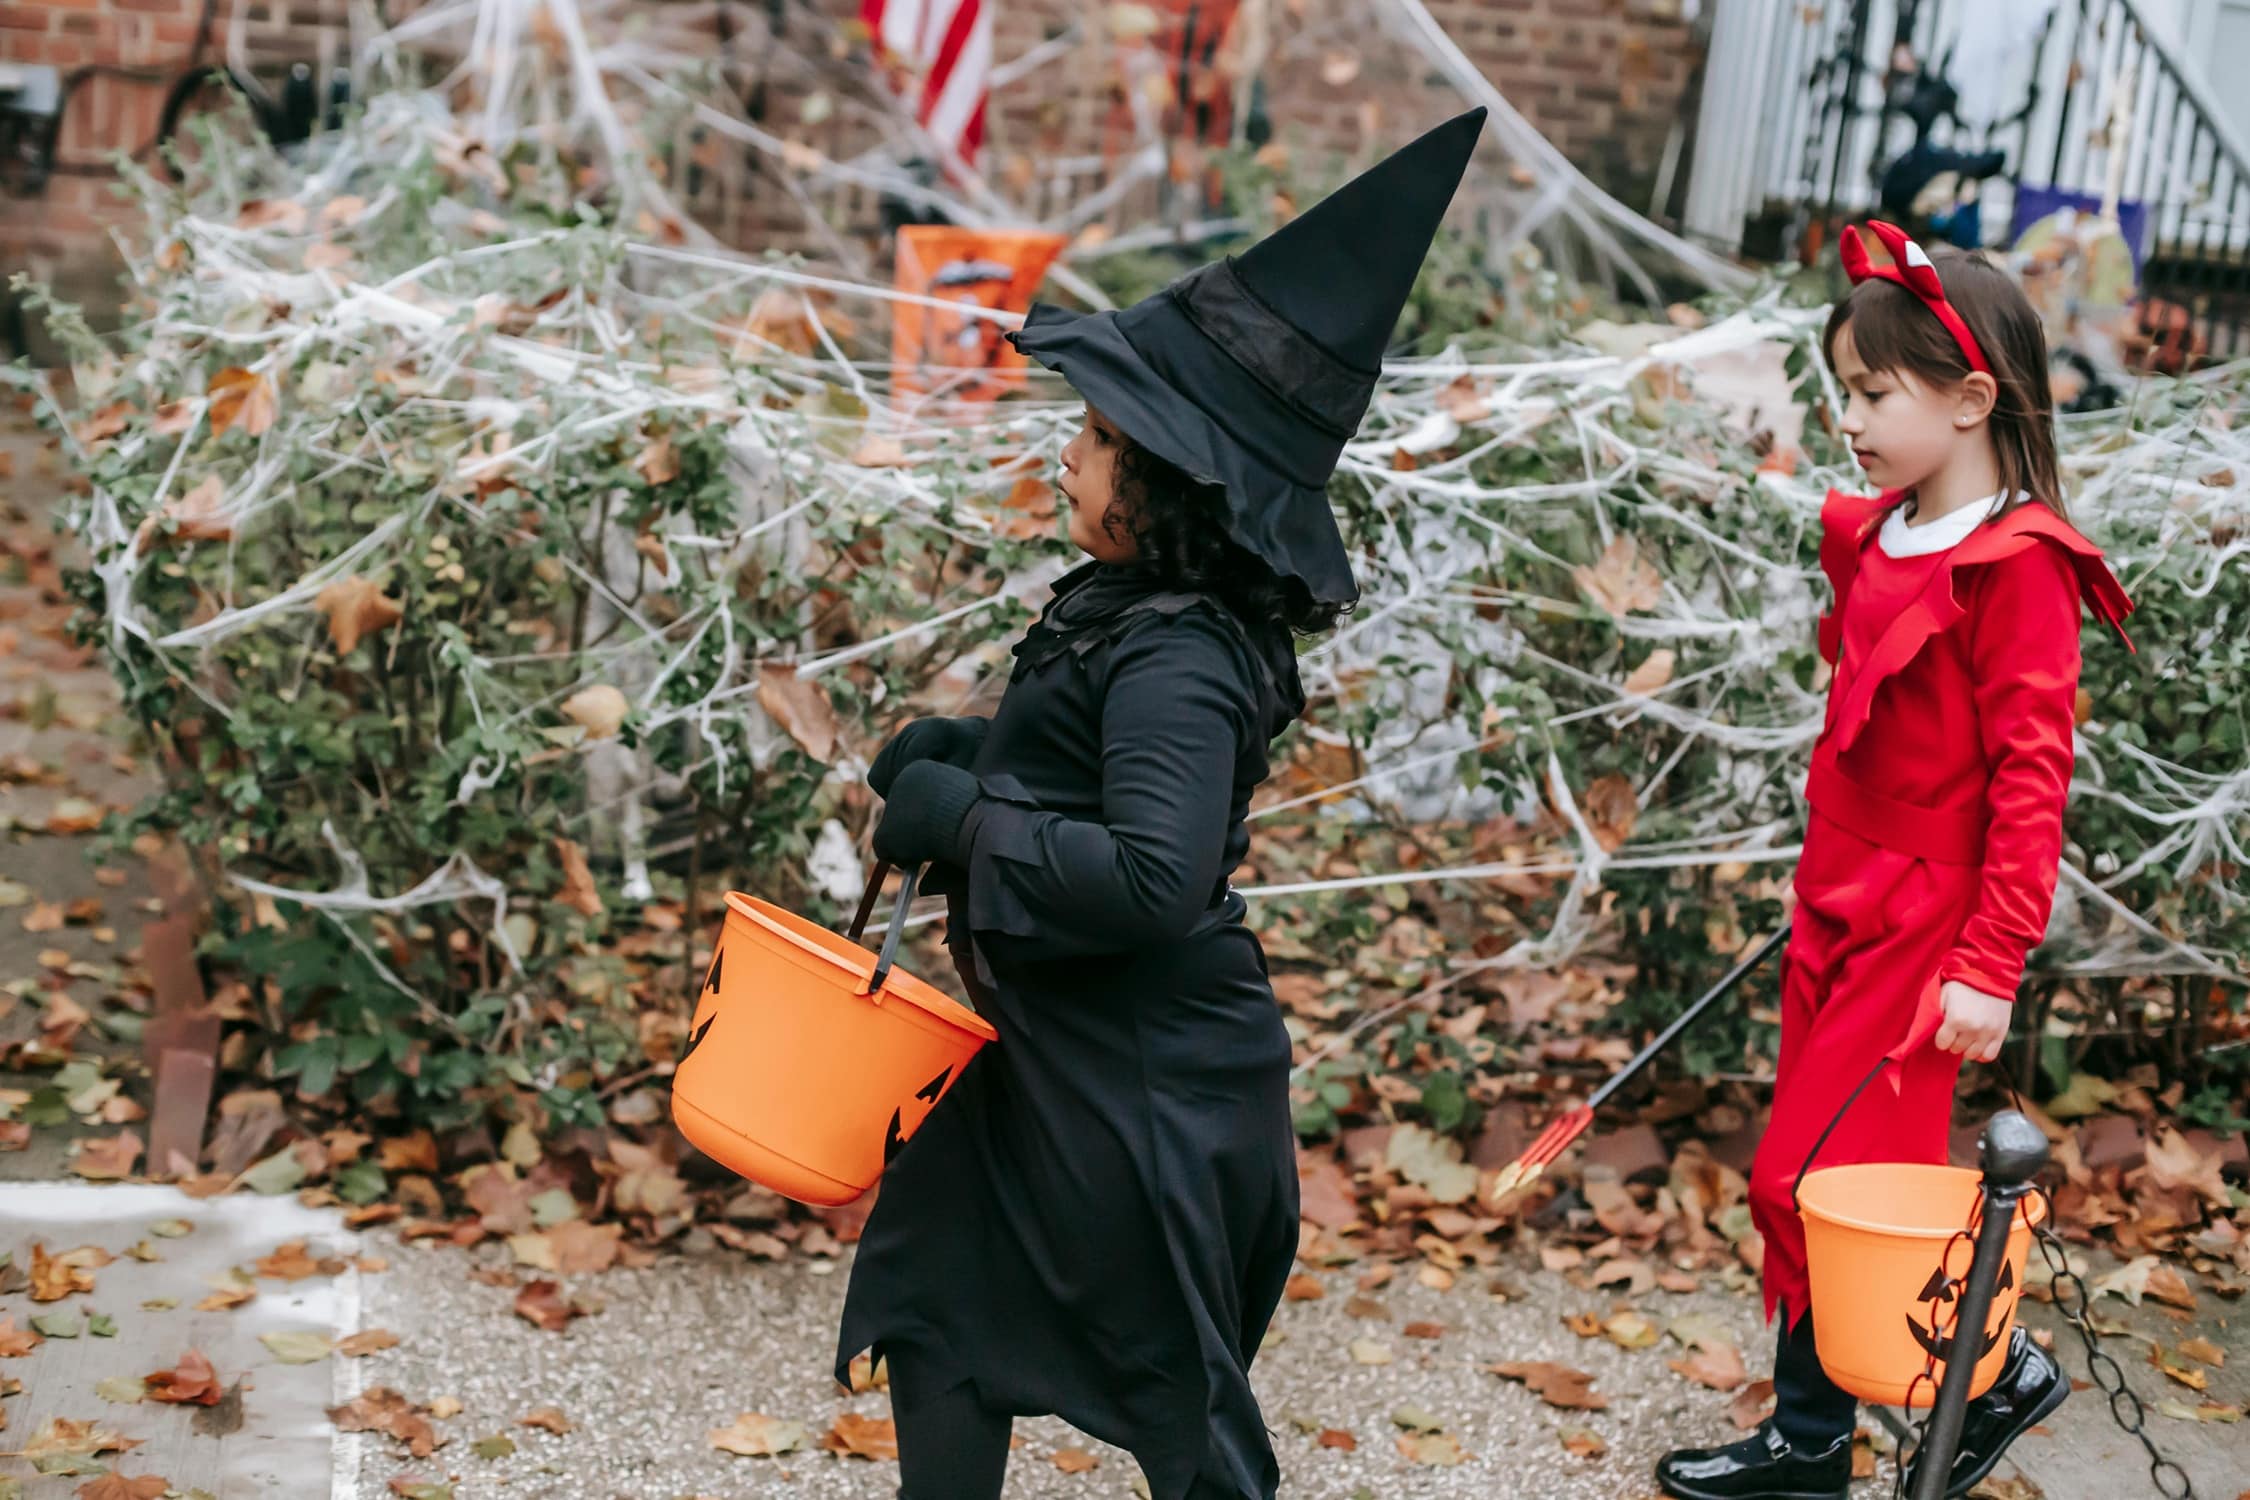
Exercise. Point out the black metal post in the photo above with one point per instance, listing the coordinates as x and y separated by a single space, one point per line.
2014 1152
1847 118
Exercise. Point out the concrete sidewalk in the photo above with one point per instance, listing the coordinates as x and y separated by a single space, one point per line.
681 1348
685 1346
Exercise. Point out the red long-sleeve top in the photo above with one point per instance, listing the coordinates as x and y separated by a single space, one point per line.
1950 715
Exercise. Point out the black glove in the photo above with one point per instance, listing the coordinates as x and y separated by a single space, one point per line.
953 742
922 817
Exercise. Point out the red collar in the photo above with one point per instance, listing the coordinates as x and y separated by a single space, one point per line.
1849 520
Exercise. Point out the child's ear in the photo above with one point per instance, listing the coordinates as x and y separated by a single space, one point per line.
1974 399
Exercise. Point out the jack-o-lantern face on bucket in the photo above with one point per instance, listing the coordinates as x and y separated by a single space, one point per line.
1940 1290
710 987
896 1137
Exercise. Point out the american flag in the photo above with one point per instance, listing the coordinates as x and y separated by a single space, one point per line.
947 46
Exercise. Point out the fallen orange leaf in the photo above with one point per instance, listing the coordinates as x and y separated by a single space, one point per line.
863 1437
193 1383
54 1277
106 1158
16 1343
1557 1385
119 1487
385 1410
541 1304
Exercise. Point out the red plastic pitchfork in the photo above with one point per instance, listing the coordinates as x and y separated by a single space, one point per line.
1557 1138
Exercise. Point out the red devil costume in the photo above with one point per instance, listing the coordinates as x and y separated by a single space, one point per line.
1931 850
1936 800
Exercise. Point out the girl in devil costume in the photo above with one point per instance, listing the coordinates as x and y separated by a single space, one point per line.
1936 801
1098 1219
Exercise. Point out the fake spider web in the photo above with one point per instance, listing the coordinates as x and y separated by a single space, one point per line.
1627 466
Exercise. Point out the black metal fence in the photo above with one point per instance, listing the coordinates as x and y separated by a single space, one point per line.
1874 85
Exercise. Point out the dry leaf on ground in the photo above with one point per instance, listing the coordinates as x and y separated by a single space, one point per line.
298 1346
862 1437
289 1262
192 1383
54 1277
1719 1367
106 1158
367 1341
1751 1405
1434 1449
756 1435
16 1343
542 1304
120 1487
1557 1385
384 1410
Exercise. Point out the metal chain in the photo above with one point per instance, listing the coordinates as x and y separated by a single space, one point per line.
1944 1318
2076 1305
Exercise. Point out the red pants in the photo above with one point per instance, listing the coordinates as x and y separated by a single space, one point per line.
1871 927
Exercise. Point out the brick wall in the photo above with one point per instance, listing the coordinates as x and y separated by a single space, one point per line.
1604 79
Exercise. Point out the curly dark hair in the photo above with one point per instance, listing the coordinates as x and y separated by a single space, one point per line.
1176 525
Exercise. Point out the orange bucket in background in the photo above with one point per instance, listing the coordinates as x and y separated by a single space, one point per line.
810 1060
1881 1240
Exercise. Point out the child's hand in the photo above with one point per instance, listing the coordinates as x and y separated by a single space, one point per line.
1976 1024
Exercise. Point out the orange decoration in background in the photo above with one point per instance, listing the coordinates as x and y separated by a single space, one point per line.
963 357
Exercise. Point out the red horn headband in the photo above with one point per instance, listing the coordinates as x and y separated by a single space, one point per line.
1910 268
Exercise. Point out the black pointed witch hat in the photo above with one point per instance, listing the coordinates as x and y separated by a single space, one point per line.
1254 371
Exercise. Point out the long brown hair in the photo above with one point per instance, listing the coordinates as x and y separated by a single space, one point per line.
1893 330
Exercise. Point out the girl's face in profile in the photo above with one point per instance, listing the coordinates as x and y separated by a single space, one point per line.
1902 430
1089 487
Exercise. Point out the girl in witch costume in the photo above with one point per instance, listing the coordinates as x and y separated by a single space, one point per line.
1936 801
1098 1219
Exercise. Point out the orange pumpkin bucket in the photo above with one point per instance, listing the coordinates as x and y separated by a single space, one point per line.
810 1060
1882 1240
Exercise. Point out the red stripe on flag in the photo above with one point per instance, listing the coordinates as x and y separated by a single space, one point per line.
949 52
935 56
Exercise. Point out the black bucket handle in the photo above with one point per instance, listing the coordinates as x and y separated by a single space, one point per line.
1914 1042
889 953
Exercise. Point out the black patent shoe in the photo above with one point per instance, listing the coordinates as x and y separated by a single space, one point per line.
2031 1385
1763 1466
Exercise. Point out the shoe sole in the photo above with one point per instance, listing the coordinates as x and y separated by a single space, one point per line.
1681 1491
1963 1483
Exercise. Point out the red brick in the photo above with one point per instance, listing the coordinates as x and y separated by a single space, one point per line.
24 17
171 33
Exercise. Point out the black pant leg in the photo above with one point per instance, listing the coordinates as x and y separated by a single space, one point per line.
950 1445
1811 1410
